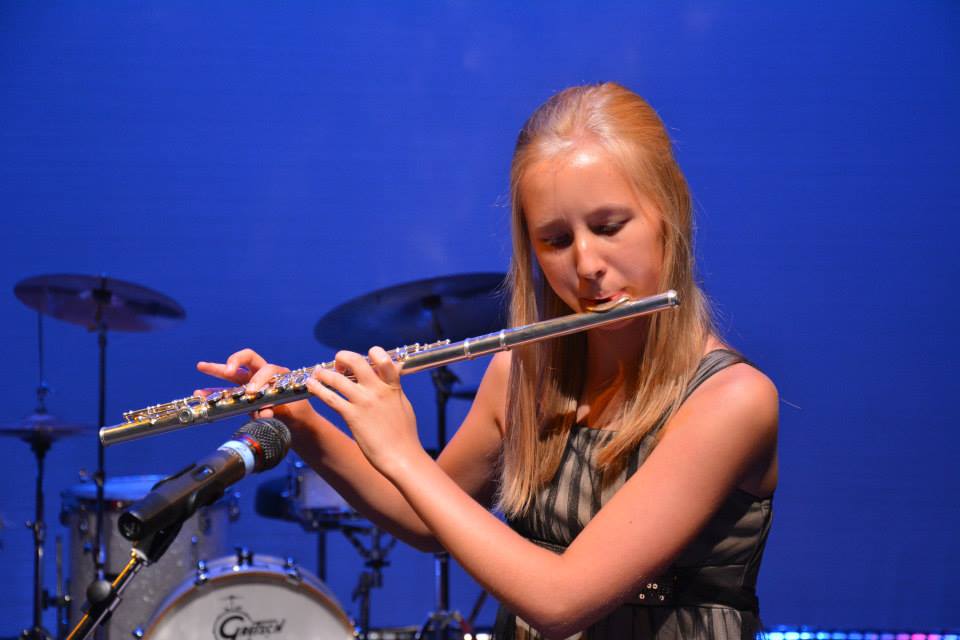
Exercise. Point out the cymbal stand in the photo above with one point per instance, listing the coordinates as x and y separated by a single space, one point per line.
375 559
102 296
39 444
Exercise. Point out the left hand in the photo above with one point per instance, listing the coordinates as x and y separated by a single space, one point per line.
374 407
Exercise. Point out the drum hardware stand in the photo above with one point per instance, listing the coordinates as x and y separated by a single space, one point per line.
442 619
62 599
40 444
102 296
314 522
416 308
38 527
103 597
99 304
375 559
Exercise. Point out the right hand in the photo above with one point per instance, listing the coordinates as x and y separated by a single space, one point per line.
247 367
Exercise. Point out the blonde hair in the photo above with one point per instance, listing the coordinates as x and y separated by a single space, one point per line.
546 378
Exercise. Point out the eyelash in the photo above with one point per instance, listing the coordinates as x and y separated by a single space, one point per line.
558 242
609 229
562 241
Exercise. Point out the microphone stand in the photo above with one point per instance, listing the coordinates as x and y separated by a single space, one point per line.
103 597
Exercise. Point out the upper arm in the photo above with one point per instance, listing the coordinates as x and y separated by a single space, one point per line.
724 432
471 457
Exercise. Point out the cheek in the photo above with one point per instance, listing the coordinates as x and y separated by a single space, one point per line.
549 268
645 263
558 276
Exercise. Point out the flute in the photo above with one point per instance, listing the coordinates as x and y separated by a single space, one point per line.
292 385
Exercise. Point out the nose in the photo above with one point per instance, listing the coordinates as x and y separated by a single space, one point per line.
590 263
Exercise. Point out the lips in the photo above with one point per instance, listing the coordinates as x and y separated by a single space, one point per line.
602 299
595 301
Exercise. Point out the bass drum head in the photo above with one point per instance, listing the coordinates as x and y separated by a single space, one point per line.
263 597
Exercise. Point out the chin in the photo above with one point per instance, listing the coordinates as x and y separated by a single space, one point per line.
625 326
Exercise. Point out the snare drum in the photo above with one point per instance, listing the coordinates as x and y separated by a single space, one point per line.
240 597
202 536
313 502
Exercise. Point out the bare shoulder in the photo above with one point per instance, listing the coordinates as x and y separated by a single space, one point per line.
739 394
736 410
500 365
742 384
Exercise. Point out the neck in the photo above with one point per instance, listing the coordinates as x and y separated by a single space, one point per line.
613 354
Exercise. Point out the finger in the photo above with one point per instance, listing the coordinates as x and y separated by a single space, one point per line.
356 365
385 367
203 393
262 412
263 376
245 358
336 381
329 397
239 375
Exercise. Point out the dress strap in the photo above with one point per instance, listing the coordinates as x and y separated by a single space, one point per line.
714 362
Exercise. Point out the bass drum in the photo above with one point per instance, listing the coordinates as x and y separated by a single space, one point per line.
240 597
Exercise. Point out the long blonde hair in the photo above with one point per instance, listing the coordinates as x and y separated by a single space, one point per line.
546 378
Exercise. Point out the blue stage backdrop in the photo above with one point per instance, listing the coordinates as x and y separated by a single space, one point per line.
262 163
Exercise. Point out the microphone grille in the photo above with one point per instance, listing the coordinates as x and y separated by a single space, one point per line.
273 437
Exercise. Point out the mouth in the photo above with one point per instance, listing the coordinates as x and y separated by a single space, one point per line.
605 302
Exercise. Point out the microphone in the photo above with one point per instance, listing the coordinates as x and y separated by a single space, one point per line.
256 446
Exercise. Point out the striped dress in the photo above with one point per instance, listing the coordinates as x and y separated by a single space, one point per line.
709 591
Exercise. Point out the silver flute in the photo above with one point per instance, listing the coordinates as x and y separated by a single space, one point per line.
292 385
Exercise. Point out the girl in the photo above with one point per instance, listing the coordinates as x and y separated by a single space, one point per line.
634 463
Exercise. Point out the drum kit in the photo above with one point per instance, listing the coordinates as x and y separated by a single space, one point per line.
199 584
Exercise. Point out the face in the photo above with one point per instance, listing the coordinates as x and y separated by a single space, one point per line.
593 235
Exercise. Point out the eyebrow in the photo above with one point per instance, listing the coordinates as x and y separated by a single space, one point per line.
611 210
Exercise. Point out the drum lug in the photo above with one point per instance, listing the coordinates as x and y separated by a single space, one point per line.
201 575
244 557
83 526
137 633
292 571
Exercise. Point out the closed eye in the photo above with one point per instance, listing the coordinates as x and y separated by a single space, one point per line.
560 241
608 229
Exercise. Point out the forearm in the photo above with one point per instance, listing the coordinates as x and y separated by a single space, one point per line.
337 458
543 588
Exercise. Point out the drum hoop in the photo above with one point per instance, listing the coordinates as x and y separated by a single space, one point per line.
178 599
73 498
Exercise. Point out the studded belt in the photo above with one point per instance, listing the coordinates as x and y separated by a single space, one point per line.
698 586
690 587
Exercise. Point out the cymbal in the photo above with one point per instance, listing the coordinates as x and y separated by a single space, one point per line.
43 427
456 306
90 300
